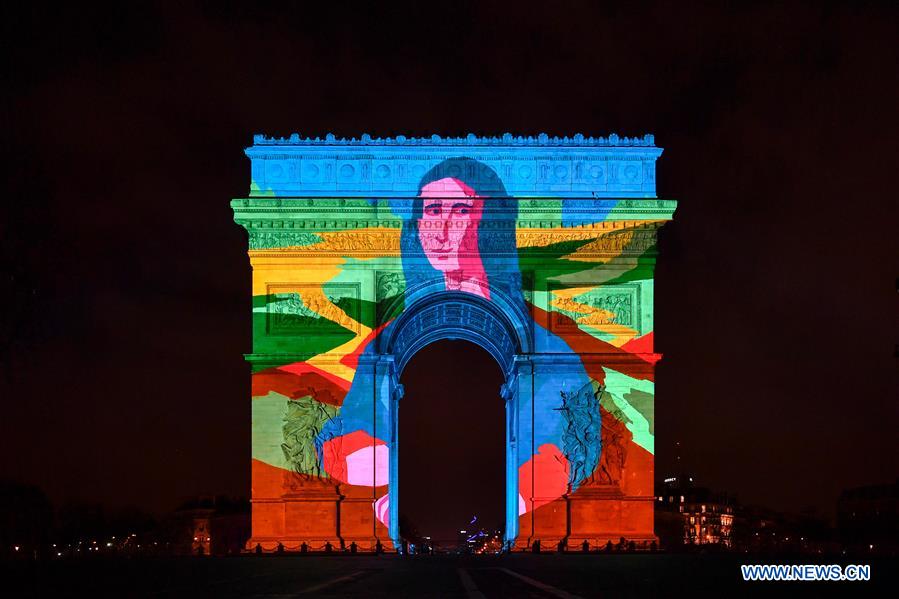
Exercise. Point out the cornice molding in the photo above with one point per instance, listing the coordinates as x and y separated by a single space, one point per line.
356 212
575 167
290 204
331 225
506 139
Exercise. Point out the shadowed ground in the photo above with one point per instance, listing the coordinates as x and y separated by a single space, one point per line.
424 576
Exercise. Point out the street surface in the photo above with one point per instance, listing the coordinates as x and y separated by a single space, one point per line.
472 577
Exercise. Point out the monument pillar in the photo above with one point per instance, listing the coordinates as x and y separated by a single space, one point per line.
509 393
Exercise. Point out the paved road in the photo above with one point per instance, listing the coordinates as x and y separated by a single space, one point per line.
543 576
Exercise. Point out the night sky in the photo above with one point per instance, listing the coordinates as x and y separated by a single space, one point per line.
127 285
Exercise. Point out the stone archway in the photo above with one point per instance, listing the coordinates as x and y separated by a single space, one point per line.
452 448
455 315
540 250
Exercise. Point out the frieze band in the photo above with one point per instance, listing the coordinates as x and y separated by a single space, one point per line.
634 242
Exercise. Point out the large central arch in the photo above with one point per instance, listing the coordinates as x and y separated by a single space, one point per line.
504 334
494 325
539 250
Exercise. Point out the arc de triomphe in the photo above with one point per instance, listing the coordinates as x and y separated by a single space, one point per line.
539 249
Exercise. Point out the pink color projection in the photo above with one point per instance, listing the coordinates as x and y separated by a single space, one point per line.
382 509
368 465
357 459
448 229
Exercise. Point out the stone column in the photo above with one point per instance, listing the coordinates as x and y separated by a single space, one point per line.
523 417
357 517
394 486
387 393
509 393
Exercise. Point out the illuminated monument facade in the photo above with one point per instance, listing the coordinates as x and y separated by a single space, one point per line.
541 250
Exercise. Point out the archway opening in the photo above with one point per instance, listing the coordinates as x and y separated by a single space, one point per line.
452 447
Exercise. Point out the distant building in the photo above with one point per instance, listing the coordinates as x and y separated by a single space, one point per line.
691 515
762 530
200 527
868 518
210 526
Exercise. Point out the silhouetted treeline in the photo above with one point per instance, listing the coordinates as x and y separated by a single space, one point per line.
30 526
26 517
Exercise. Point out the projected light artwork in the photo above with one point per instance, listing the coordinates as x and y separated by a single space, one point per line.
540 250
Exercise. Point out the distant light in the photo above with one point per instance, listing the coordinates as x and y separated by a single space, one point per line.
672 479
17 547
109 544
58 554
463 532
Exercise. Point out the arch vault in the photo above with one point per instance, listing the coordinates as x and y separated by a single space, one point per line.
457 315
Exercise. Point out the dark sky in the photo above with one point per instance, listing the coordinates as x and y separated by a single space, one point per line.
127 285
